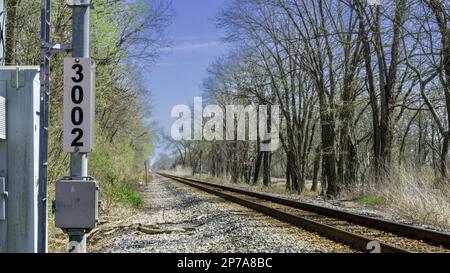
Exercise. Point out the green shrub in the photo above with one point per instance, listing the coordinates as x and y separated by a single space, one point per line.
117 167
370 200
125 195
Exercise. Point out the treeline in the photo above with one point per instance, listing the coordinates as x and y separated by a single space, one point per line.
362 88
125 38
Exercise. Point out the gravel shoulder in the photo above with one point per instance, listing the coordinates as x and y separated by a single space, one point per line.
178 219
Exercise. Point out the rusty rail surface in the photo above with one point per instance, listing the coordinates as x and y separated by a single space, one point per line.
359 242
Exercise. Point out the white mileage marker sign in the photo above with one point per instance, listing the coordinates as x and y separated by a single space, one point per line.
78 105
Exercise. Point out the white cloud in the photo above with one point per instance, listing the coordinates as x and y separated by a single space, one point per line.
187 46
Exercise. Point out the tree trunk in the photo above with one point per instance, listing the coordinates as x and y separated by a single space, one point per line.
11 31
257 168
266 168
443 157
387 85
294 180
443 19
288 176
267 155
317 159
328 149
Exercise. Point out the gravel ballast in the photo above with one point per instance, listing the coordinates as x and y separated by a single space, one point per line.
178 219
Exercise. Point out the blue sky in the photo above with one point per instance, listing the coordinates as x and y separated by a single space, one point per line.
178 75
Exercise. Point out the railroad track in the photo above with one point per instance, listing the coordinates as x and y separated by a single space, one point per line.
359 231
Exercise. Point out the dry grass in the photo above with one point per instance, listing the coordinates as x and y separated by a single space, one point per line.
410 194
181 171
58 241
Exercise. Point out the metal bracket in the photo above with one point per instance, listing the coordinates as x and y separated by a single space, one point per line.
57 48
78 178
18 79
75 3
3 197
75 232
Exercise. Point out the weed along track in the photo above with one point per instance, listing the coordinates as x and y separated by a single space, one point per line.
352 229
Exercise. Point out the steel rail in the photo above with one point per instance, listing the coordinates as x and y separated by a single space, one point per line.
431 236
357 241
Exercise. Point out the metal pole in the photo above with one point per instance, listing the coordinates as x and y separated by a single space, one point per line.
3 156
44 125
77 241
146 172
2 32
79 161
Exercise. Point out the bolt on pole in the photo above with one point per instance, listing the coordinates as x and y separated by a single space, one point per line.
79 161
